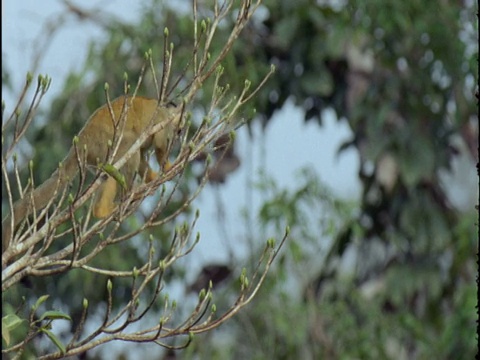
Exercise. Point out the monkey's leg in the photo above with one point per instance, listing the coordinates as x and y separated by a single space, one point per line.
104 202
162 159
146 170
130 169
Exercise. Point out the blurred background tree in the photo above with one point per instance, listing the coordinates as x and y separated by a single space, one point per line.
391 275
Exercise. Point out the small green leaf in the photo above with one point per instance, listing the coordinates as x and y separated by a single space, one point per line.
9 323
54 315
113 172
5 335
40 301
45 84
29 78
206 121
202 294
209 159
55 340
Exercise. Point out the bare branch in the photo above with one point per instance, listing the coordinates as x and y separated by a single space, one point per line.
29 252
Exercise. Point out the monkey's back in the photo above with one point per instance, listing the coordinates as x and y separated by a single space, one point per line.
99 129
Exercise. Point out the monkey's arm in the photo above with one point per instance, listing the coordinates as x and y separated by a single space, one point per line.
145 171
161 142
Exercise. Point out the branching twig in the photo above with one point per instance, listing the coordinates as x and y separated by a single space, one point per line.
26 258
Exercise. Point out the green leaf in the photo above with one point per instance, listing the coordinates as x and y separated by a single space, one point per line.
113 172
54 315
9 323
54 339
5 335
40 301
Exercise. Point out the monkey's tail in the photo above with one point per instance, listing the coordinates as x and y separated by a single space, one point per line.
41 195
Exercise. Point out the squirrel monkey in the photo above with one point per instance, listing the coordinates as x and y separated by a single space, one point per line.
96 135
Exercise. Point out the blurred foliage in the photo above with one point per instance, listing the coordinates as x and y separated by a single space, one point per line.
366 299
403 75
